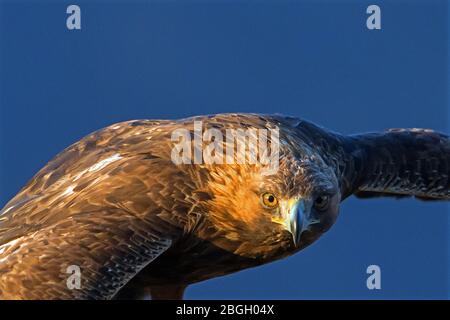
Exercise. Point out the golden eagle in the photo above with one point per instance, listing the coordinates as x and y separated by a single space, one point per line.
135 223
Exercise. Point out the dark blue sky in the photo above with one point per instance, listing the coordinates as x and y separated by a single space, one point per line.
311 59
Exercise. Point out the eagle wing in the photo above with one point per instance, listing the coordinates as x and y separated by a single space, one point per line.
398 162
105 205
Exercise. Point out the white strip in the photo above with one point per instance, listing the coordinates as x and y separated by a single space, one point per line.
105 162
99 165
3 247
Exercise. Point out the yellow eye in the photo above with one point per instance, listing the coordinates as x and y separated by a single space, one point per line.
269 200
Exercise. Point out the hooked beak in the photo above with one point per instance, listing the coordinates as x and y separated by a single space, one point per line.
299 219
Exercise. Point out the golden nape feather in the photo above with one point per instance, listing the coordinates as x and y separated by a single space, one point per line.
136 223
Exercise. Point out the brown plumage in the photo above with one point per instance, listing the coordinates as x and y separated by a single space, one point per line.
136 224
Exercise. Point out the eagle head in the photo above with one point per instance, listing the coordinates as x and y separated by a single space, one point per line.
271 216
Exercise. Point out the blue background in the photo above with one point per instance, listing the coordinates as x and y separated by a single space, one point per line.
311 59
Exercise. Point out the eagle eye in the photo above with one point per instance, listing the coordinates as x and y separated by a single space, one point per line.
269 200
322 202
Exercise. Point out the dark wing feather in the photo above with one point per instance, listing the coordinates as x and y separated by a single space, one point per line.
399 163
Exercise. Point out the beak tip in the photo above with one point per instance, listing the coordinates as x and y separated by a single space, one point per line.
297 214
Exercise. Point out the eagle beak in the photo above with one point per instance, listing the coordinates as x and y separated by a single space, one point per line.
298 217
